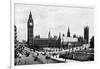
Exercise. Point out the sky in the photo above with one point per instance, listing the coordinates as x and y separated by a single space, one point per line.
55 19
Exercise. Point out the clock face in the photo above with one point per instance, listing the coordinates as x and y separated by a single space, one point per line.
30 24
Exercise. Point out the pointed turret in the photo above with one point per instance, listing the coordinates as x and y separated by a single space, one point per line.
30 19
49 35
59 41
30 15
68 33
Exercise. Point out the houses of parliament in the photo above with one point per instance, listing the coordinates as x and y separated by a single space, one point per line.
61 41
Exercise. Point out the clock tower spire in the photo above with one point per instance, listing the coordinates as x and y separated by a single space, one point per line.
68 32
30 31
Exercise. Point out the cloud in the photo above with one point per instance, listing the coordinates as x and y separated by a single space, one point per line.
54 19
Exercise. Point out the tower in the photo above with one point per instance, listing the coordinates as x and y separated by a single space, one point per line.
68 32
49 35
86 34
30 31
59 41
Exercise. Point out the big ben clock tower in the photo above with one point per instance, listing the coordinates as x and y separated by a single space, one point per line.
30 31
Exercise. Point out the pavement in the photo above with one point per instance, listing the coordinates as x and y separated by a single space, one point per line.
26 60
41 59
30 60
64 60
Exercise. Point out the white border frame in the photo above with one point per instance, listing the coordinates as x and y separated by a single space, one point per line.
12 3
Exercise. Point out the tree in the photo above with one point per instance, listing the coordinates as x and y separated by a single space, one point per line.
15 34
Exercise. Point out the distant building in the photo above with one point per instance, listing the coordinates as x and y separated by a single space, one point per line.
68 32
69 39
45 42
69 42
86 34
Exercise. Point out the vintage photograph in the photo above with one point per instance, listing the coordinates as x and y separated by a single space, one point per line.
45 34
